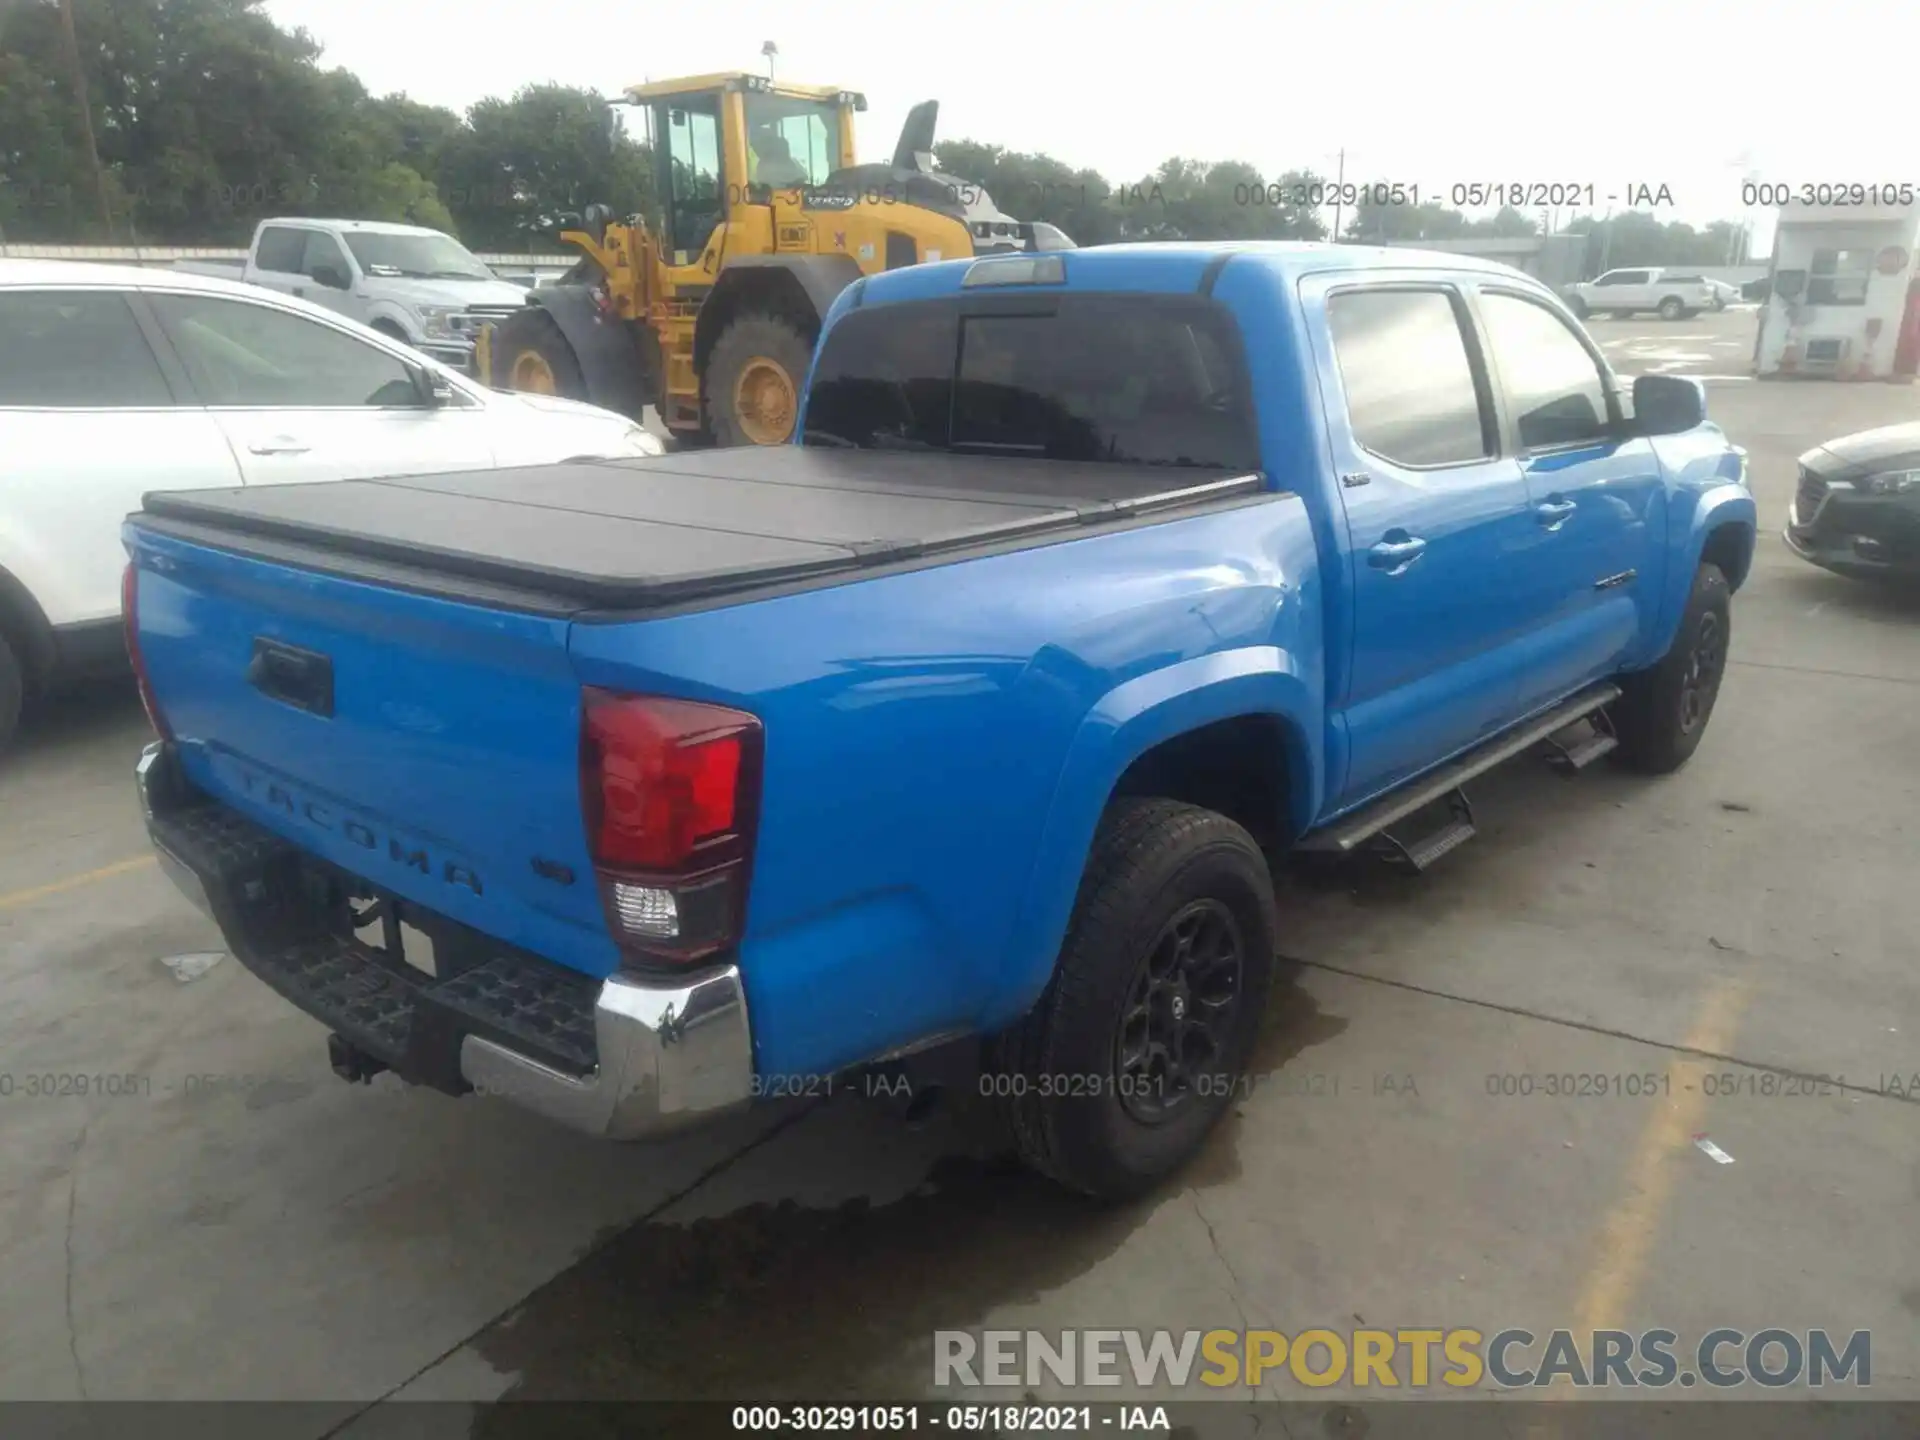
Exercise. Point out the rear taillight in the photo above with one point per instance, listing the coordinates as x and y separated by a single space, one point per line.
670 790
130 619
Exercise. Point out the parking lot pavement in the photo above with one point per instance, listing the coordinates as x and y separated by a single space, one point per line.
219 1216
1715 345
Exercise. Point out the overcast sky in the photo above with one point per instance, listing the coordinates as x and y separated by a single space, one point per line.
1417 92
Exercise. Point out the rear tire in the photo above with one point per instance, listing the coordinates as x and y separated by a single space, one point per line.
529 354
1663 712
1170 946
753 380
13 688
1673 308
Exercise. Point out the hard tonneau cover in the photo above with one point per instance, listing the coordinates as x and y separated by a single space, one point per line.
640 534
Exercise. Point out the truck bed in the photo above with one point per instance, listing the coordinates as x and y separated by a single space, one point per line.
698 527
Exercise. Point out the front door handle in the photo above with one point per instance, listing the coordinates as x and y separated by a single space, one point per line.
1553 514
1395 555
279 445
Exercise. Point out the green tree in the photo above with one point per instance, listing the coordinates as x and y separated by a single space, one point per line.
1035 187
1224 200
521 163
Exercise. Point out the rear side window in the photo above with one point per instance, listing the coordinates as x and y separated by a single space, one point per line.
1127 379
1551 382
75 350
280 250
1411 396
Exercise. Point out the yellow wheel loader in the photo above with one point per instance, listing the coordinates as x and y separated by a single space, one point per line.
710 316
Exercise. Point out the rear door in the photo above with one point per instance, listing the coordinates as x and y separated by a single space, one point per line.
89 422
1433 511
1621 290
303 400
279 255
1585 574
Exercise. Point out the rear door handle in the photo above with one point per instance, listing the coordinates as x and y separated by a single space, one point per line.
1553 514
279 445
1394 556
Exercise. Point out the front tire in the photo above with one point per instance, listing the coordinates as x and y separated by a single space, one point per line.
530 355
1662 713
753 380
13 689
1140 1040
1579 308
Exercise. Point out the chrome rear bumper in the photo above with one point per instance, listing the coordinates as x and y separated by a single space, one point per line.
667 1052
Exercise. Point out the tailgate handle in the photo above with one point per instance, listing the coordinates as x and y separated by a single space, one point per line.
296 677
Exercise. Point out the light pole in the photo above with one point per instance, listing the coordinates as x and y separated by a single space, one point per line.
770 50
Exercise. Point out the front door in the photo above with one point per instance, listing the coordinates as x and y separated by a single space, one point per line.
301 399
1433 511
1588 575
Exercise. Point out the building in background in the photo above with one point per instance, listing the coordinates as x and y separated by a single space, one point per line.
1844 302
1554 260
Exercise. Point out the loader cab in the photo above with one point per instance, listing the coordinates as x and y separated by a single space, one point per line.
724 146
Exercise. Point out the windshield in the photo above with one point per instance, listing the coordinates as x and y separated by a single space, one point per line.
421 257
791 142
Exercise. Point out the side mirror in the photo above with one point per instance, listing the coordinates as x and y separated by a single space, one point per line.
434 391
330 276
1668 404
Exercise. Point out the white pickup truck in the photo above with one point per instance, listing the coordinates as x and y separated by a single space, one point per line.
1673 294
415 285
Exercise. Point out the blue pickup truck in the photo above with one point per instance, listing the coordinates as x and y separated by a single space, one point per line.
636 790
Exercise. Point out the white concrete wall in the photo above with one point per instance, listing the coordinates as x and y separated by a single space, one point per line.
1786 328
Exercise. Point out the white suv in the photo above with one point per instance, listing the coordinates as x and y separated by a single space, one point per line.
1673 294
117 381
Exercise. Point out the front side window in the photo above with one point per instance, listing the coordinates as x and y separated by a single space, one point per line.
241 354
1551 381
75 350
324 252
791 142
1101 378
1411 396
1839 277
417 257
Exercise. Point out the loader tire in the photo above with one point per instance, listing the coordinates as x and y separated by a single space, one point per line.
753 380
531 355
13 688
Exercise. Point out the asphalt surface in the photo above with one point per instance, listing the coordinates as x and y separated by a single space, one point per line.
219 1217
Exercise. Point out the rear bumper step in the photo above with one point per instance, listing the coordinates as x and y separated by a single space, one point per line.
623 1058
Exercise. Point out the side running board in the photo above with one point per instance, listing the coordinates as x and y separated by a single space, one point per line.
1347 834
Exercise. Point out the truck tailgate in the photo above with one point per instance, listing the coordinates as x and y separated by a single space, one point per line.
426 745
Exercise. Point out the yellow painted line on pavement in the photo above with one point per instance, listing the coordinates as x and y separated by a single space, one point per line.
73 882
1666 1140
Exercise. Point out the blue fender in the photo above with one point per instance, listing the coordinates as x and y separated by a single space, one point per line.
1127 722
1716 510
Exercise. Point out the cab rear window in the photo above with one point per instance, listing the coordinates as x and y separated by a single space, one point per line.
1135 379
